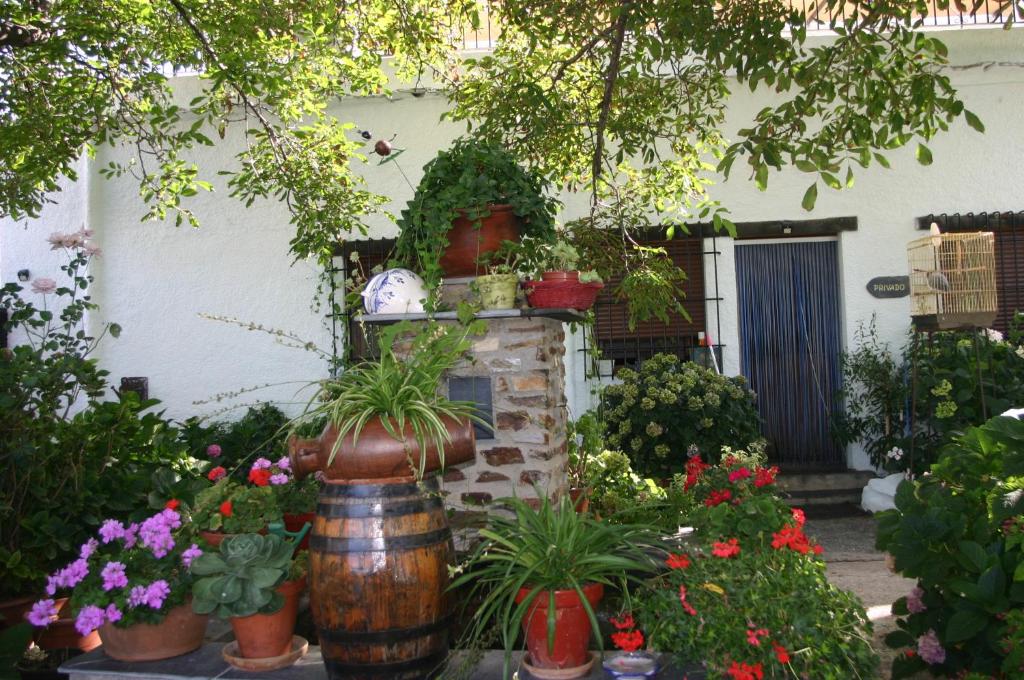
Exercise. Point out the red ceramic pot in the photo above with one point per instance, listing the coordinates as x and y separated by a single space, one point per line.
572 627
467 243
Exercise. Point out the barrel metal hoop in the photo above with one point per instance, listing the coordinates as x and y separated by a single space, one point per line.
386 670
387 636
386 509
335 545
379 490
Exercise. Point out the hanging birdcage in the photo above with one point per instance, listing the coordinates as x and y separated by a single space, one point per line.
952 280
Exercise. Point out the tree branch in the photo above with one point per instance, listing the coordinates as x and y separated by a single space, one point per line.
611 75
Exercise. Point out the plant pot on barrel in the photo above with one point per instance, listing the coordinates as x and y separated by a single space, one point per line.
381 545
131 583
542 571
255 582
472 197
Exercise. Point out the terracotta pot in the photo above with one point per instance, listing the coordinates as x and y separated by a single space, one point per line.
295 522
13 611
179 633
378 457
560 276
62 634
262 636
572 627
466 243
215 538
580 499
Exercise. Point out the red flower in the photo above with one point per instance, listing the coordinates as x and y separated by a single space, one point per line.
688 608
794 538
817 549
798 515
694 469
754 636
624 623
172 504
225 508
909 653
682 593
680 561
729 460
216 473
730 548
743 671
780 653
765 476
628 642
738 474
259 477
717 497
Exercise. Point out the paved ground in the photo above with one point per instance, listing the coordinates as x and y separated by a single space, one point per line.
854 564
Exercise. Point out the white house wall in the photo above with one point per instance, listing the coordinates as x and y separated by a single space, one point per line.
155 279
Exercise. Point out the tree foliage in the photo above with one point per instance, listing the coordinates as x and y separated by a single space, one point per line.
625 99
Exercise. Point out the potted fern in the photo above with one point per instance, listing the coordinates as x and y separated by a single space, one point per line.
254 582
472 197
543 571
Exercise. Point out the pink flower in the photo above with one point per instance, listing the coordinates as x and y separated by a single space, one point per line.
190 554
42 613
113 614
730 548
113 576
91 249
261 464
930 649
216 473
914 603
90 617
738 474
59 240
44 286
279 479
284 463
213 451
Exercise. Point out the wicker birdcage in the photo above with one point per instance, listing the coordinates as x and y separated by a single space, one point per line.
952 280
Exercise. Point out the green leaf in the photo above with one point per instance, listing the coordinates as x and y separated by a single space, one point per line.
924 155
849 178
810 197
964 625
115 330
761 177
974 121
975 554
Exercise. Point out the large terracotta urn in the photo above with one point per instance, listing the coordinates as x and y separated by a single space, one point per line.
469 239
379 552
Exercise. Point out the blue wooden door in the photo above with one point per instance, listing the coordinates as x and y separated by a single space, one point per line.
789 307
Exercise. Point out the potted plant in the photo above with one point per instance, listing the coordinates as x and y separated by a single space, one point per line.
254 582
132 584
472 197
543 571
41 664
228 507
561 284
497 288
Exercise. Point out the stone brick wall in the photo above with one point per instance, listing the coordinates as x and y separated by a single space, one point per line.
524 359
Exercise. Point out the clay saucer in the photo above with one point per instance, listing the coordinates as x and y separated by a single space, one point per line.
271 663
558 673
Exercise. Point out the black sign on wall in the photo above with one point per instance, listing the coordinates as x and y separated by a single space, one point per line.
889 286
478 391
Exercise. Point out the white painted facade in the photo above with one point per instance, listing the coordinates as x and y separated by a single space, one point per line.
155 279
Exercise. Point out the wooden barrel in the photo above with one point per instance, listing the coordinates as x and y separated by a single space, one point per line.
379 557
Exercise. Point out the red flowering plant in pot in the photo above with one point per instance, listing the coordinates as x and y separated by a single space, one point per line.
131 583
750 597
229 507
543 571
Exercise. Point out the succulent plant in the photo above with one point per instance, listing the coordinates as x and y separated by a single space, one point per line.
242 578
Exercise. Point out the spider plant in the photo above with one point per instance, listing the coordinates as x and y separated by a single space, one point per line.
547 549
400 388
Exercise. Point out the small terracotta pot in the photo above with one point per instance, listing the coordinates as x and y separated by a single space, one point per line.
179 633
378 457
262 636
467 243
572 627
580 499
13 611
560 276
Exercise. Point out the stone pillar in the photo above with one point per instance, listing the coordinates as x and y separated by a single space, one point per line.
523 357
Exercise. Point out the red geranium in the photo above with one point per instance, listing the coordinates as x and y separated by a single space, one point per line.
216 473
628 642
225 508
259 477
765 476
172 504
798 516
743 671
718 496
694 469
754 636
780 653
677 561
623 623
730 548
738 474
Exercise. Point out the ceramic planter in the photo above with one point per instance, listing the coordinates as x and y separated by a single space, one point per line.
497 291
572 628
263 636
179 633
466 243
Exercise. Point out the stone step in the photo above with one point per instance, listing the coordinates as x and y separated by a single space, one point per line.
824 488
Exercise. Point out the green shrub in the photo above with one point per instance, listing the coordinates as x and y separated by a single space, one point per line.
962 378
959 532
260 433
666 410
621 496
